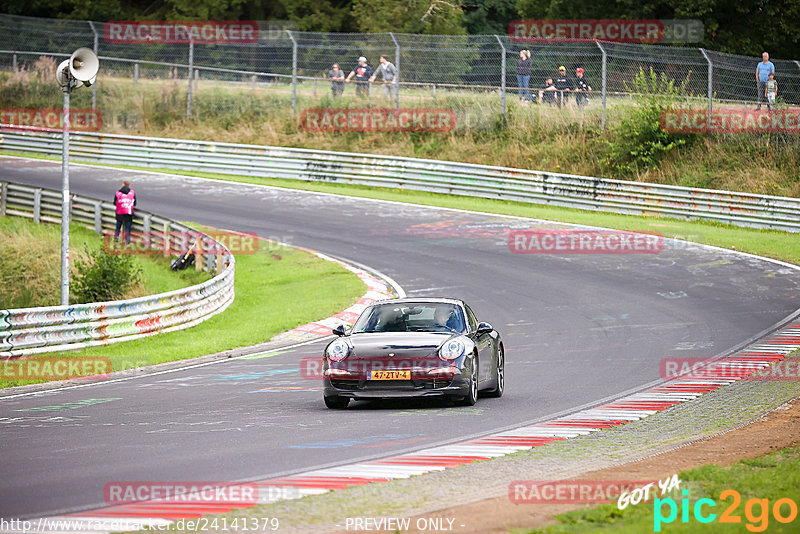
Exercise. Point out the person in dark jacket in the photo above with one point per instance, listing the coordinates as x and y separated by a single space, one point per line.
124 200
563 84
582 88
524 75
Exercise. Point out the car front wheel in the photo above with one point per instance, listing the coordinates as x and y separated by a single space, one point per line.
499 375
472 397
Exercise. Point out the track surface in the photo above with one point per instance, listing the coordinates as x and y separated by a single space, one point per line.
577 328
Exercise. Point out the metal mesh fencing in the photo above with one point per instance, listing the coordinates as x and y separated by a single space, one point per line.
287 71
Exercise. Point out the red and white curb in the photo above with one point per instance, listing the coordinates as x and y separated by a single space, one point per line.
756 356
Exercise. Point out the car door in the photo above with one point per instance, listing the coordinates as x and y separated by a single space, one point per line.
484 342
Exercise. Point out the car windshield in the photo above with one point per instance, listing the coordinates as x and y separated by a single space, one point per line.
411 317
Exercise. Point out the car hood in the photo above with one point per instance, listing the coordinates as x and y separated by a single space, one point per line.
399 344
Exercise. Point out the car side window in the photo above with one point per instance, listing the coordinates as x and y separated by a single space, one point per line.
473 323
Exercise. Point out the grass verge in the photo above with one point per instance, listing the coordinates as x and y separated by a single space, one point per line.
277 289
30 268
760 482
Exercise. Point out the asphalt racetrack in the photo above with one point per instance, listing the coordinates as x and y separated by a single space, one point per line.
577 329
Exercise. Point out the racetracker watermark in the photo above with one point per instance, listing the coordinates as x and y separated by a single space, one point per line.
159 243
571 241
52 120
311 367
181 31
617 30
730 121
378 120
570 491
115 493
750 367
54 368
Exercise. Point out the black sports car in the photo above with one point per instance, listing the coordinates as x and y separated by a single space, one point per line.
414 347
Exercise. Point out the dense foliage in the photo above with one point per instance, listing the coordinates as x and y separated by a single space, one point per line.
742 27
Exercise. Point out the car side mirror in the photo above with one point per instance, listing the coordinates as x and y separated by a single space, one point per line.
484 328
339 330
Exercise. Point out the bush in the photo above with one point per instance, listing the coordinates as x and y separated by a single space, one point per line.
637 142
104 277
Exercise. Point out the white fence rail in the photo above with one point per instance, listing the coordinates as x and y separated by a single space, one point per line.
598 194
55 328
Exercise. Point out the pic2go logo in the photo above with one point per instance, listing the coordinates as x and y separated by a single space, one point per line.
756 511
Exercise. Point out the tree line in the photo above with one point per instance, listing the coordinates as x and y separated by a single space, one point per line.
741 27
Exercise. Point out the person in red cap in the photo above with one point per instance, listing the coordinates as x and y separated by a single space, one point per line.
581 88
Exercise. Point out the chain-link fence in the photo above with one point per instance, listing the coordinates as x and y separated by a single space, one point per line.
475 75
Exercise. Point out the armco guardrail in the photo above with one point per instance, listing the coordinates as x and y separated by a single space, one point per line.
634 198
55 328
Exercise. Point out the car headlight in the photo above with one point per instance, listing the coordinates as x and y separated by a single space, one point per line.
452 349
338 350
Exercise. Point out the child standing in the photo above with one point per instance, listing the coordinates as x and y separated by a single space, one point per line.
771 90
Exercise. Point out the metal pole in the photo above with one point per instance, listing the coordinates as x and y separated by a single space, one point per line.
189 92
603 112
294 71
65 200
710 83
397 75
503 78
97 53
14 62
135 73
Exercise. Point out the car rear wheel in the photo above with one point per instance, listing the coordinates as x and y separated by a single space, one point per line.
337 403
499 375
472 397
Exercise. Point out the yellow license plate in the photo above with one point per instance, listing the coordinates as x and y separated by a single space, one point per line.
389 375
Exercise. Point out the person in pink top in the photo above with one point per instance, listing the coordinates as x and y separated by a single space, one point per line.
124 200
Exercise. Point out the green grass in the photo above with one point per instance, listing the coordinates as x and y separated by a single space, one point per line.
772 477
277 289
30 268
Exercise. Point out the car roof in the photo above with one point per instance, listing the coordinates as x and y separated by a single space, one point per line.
433 300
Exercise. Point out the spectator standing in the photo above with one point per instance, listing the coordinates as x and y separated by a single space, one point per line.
336 75
124 200
389 73
362 74
771 90
762 76
563 84
547 92
524 75
582 87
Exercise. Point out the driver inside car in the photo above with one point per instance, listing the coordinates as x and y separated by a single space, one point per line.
446 318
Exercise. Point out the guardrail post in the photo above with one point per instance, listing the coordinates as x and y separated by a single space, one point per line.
503 74
220 262
710 83
189 93
146 229
397 75
605 61
96 52
98 218
294 70
3 197
135 74
167 237
37 205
